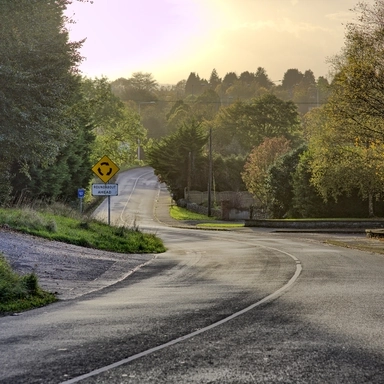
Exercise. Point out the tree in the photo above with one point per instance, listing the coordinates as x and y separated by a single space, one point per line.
227 173
358 85
279 183
143 81
206 105
230 78
347 153
194 85
247 77
179 114
140 87
244 125
262 79
118 129
323 90
307 202
177 159
38 80
304 93
258 162
341 164
214 79
291 78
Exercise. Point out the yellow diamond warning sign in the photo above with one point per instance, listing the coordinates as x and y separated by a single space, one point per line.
105 169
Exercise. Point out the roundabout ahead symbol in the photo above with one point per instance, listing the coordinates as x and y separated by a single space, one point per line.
105 169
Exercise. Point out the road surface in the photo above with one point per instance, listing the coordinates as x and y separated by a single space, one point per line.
248 306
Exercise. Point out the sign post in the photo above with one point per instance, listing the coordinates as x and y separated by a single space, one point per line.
80 195
105 169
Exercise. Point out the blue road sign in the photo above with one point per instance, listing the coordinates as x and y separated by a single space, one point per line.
80 193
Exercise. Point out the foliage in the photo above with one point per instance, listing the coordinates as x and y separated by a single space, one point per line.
279 183
258 162
70 170
195 85
242 126
262 79
37 79
291 78
20 292
39 90
358 86
214 79
177 158
179 213
140 87
74 230
307 202
346 136
206 106
227 173
117 128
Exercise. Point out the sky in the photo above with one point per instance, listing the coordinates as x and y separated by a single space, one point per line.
172 38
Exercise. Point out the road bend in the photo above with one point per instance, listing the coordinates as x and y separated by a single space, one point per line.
218 307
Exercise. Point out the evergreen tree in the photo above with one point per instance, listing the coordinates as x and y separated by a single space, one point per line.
229 79
177 159
38 82
214 80
262 79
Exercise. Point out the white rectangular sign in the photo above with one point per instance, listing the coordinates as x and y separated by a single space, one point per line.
104 189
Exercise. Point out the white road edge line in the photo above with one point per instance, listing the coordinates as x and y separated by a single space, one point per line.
270 297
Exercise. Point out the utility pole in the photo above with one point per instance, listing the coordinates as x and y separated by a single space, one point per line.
189 175
210 173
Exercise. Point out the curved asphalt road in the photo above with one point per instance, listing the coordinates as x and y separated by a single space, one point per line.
321 324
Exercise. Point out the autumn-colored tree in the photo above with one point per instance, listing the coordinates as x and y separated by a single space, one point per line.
258 162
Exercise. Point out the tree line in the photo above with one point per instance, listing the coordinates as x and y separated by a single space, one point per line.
54 123
302 146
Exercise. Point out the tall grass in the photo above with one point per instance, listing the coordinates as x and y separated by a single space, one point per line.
20 292
57 223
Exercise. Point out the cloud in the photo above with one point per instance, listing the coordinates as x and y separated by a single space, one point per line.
342 17
284 25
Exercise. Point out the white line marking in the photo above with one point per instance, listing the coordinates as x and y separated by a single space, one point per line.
270 297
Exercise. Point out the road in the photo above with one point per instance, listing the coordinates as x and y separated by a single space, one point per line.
245 306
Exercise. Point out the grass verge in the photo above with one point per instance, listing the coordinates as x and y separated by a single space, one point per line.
19 293
220 225
179 213
369 246
73 229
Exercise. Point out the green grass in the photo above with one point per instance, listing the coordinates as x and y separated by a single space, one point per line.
179 213
220 225
333 219
18 293
73 229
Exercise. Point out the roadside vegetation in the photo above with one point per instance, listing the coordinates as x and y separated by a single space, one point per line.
179 213
18 293
56 222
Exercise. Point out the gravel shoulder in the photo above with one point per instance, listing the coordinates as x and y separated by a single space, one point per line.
67 270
